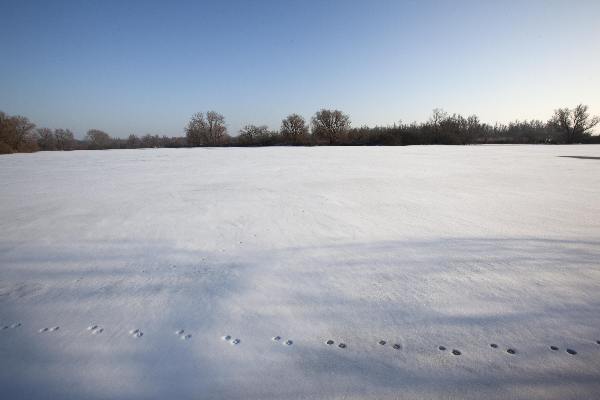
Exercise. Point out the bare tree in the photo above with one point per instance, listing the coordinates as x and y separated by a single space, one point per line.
24 134
17 134
252 134
574 124
206 130
330 124
438 116
148 141
472 130
64 139
133 142
217 132
46 139
195 130
294 129
98 139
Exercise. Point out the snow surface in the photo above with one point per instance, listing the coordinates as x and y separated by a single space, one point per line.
421 246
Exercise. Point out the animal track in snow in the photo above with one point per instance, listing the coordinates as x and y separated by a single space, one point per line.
95 329
136 333
227 338
182 335
278 338
53 329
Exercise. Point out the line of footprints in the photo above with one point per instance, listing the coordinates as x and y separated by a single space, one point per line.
137 333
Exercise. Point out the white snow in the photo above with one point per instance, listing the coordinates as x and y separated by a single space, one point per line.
113 252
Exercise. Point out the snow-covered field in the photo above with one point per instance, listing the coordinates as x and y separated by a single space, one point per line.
422 247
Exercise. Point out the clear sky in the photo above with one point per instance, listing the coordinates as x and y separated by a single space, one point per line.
147 66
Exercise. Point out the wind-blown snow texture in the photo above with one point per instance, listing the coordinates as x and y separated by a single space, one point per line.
423 247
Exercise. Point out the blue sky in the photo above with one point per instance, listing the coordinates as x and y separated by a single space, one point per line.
147 66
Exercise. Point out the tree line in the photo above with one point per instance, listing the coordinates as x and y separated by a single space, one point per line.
326 127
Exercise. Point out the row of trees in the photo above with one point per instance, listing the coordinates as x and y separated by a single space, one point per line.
327 127
19 135
332 127
98 140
